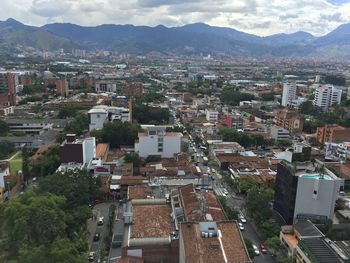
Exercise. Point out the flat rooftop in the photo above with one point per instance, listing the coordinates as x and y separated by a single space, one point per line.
227 244
151 221
319 249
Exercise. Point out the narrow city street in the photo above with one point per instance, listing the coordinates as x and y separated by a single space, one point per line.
235 202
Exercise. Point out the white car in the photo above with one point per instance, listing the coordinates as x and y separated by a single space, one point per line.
242 219
241 226
225 191
256 250
100 221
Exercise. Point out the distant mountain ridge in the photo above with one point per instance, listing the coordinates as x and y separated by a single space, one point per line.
188 39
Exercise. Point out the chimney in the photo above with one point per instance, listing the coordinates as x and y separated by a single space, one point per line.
70 138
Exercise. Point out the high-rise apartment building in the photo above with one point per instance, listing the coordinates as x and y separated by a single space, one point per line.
7 89
326 96
289 93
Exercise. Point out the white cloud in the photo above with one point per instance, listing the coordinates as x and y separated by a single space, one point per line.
260 17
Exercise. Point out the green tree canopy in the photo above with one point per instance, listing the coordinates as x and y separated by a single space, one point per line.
133 158
77 186
6 148
61 251
257 203
233 96
32 220
145 114
47 163
118 133
68 111
4 129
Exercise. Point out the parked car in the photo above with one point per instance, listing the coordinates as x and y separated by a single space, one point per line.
242 219
97 236
263 248
256 250
100 221
241 226
225 191
91 256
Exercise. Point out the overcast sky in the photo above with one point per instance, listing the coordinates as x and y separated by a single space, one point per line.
261 17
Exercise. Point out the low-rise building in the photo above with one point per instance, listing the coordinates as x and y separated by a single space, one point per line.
34 126
77 151
154 140
290 120
304 190
211 242
101 114
211 115
332 133
279 133
104 85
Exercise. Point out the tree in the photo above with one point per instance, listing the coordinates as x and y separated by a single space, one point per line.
133 158
6 148
145 114
257 203
25 163
153 158
47 163
249 245
3 128
118 133
273 243
32 220
233 96
335 80
245 184
78 187
308 108
61 251
68 111
269 229
78 125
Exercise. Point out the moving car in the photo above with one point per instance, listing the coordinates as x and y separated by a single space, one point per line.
225 192
256 250
263 248
100 221
97 236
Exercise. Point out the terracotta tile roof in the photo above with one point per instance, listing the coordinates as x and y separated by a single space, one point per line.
213 207
139 192
209 250
130 260
132 180
151 221
237 161
190 203
101 150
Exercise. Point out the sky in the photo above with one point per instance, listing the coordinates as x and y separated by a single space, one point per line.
260 17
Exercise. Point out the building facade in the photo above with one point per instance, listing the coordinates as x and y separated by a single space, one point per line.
105 86
156 141
326 96
289 93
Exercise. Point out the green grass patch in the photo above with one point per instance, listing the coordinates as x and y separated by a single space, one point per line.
16 164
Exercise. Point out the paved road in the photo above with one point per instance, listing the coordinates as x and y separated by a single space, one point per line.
100 210
118 228
235 202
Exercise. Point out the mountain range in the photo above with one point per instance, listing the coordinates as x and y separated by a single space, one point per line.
189 39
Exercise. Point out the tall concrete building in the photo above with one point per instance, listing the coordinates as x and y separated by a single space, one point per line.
62 88
289 93
8 89
305 191
326 96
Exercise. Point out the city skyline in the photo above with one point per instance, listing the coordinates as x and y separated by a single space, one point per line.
260 17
